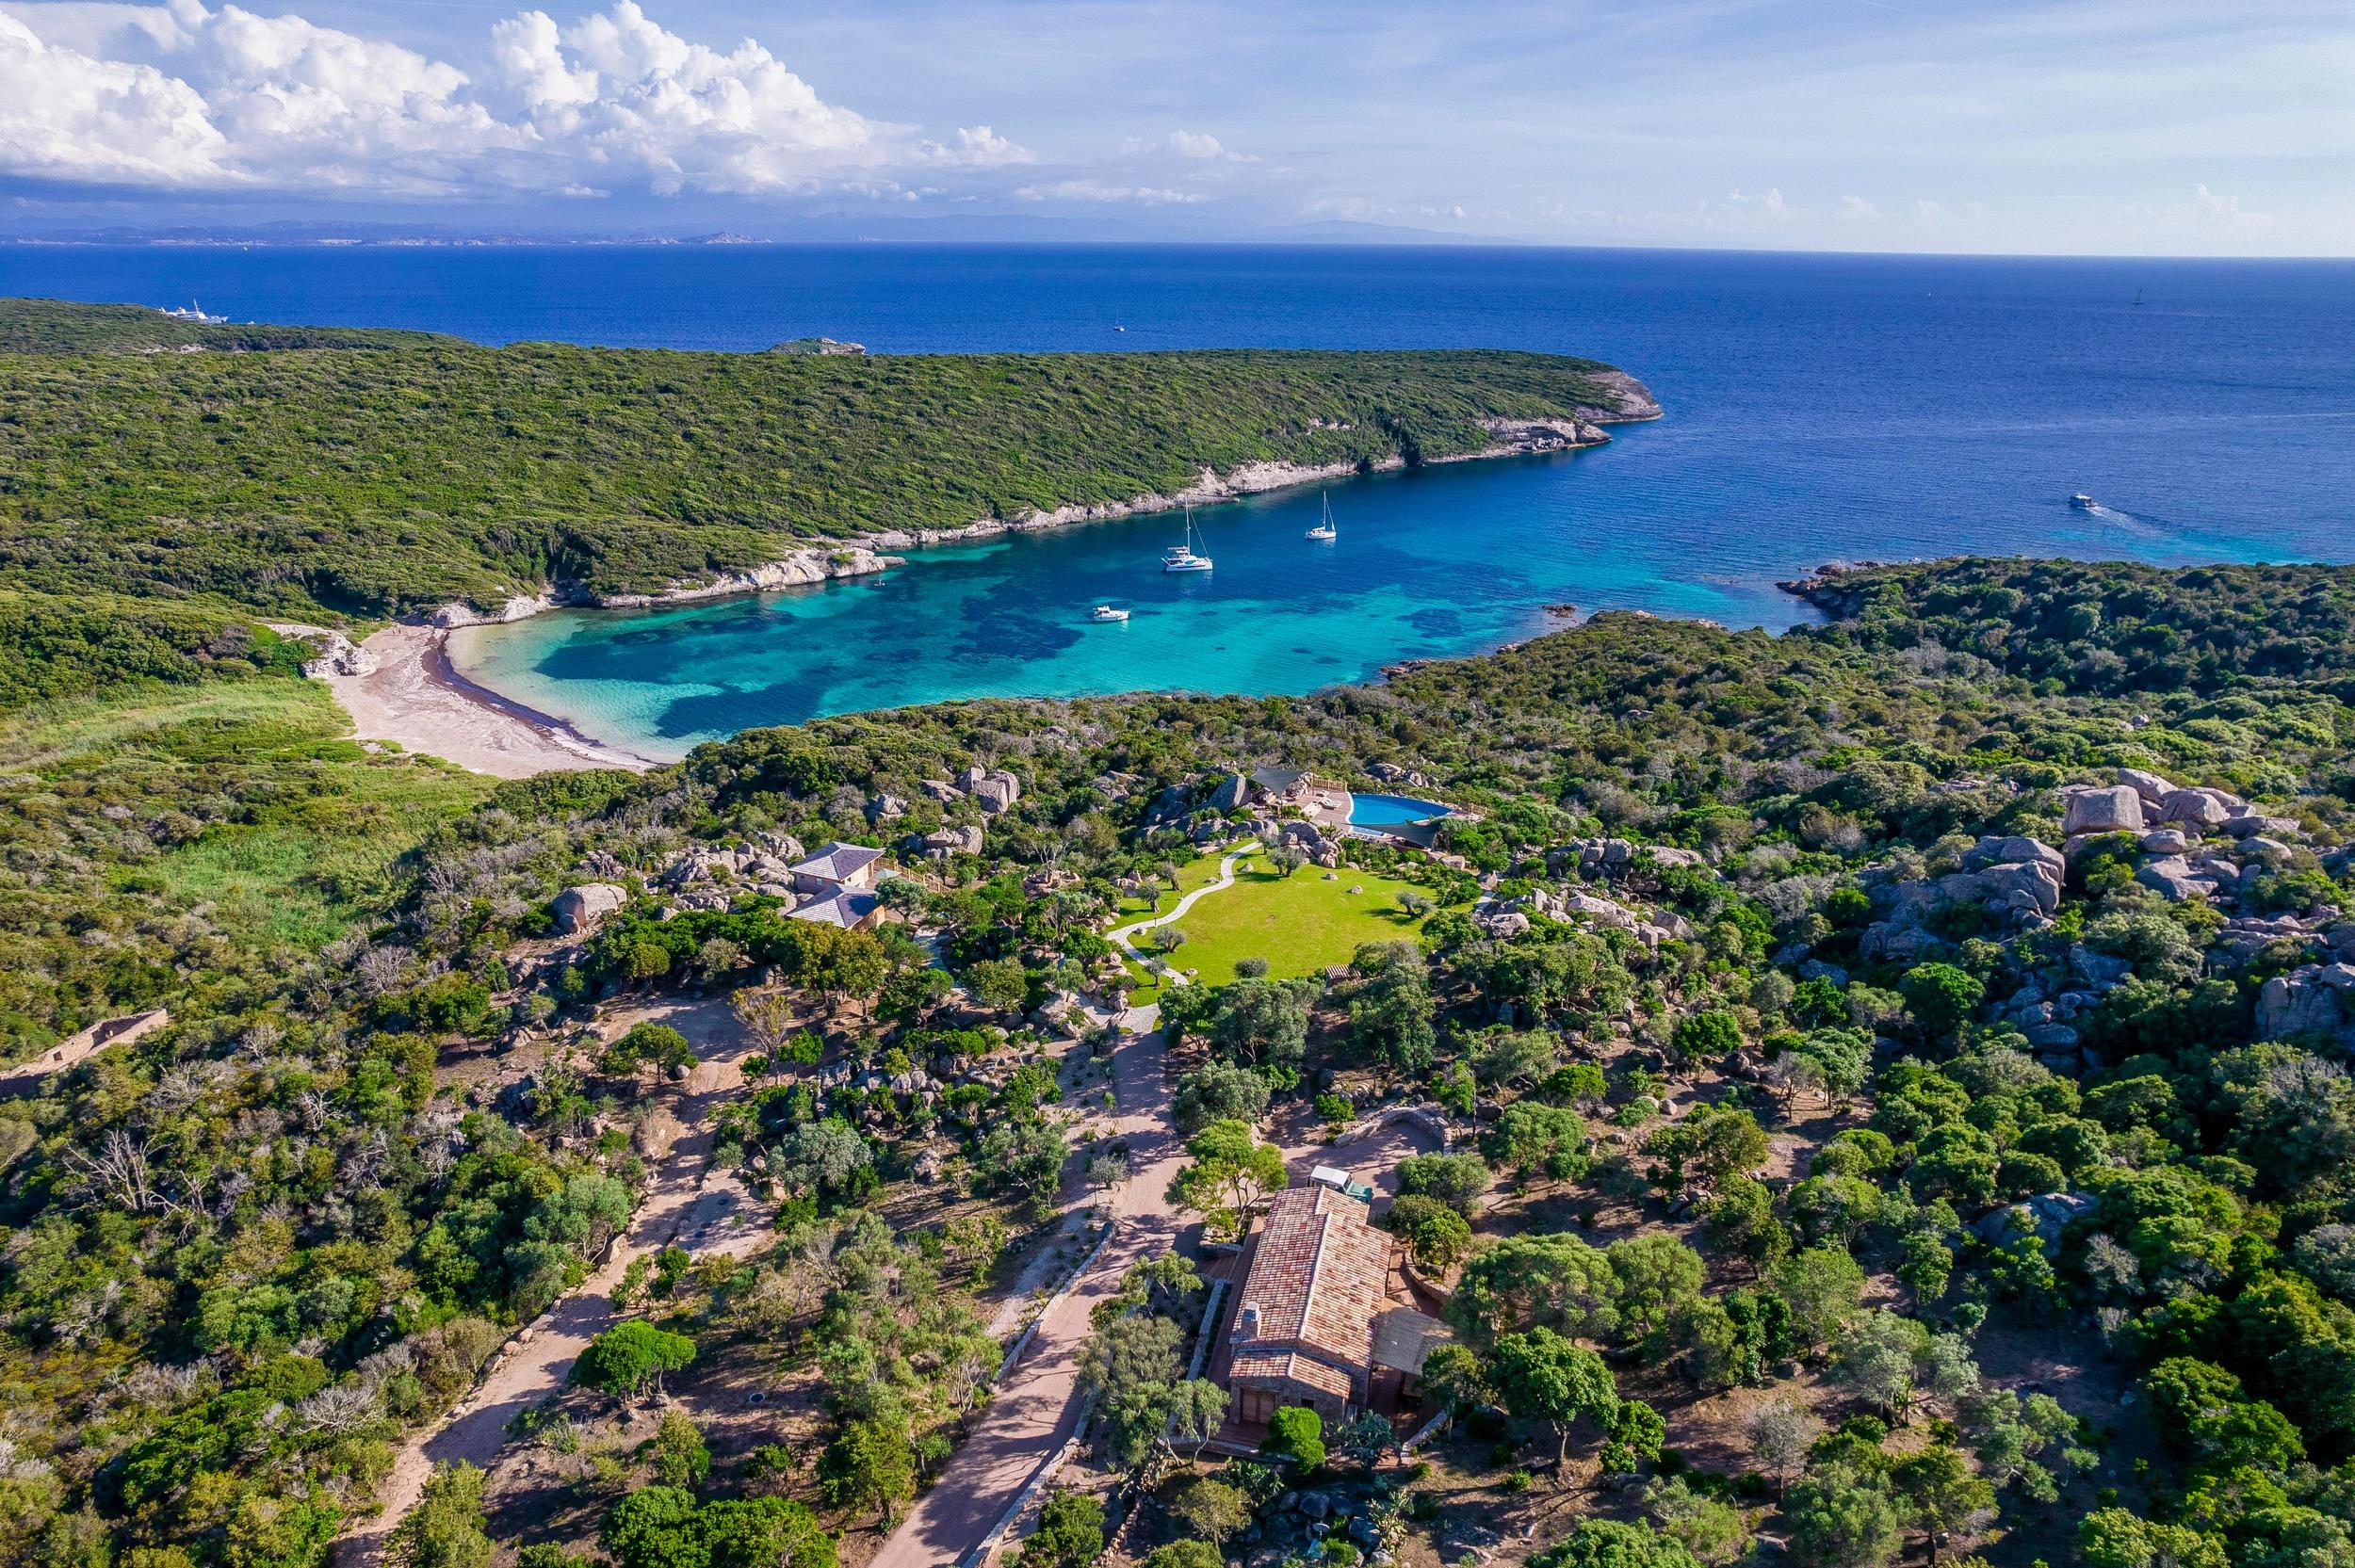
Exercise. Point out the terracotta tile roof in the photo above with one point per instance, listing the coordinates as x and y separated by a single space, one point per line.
1316 1279
1282 1366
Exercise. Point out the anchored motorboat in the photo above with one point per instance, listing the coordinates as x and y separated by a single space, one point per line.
1106 612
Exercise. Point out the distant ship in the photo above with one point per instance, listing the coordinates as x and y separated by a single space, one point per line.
1183 558
192 312
2082 501
1325 529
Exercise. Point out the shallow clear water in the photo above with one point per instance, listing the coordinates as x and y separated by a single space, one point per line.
1377 811
1818 408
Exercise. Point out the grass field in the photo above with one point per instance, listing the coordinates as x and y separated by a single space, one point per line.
234 820
1193 874
1299 923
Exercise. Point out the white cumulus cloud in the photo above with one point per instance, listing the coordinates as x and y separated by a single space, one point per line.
976 147
179 96
65 115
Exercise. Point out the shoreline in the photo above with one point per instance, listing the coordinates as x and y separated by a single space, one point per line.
868 554
401 685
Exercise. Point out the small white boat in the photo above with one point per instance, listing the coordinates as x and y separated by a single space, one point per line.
2082 501
1106 612
1325 529
1182 558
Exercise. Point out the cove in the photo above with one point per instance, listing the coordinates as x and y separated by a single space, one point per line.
1439 562
1817 408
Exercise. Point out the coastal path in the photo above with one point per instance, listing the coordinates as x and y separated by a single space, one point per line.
1036 1406
684 1205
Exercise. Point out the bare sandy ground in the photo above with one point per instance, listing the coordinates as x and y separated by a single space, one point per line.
414 699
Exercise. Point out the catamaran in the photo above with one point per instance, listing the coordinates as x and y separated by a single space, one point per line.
1325 529
1182 558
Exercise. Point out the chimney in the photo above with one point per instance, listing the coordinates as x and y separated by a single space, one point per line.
1246 1323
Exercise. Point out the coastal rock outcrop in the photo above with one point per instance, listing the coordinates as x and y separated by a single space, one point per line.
800 569
337 656
519 607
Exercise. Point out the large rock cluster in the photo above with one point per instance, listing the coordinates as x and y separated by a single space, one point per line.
577 910
1323 848
2043 1216
709 876
1613 859
2016 879
1575 907
944 842
2051 1001
2195 841
992 789
2315 999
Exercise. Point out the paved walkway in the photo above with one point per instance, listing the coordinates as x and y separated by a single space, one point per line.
680 1205
1124 937
1035 1409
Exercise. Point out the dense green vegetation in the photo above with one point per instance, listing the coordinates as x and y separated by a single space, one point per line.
364 480
59 326
1918 1172
1812 772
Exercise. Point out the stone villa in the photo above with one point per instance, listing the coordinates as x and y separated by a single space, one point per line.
1316 1322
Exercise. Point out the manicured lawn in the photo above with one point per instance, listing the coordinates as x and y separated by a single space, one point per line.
1299 923
1190 875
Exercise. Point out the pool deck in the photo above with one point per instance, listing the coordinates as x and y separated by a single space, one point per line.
1328 806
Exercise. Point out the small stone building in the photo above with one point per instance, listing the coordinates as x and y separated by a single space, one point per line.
836 867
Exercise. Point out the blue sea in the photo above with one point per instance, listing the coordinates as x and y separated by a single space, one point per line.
1818 408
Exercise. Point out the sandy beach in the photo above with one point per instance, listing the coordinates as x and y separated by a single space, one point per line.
411 695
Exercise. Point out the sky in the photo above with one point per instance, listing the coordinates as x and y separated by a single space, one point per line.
2023 126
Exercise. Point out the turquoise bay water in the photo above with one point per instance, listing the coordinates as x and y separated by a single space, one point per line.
1429 565
1819 408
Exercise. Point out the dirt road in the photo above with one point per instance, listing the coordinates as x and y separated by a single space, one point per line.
1036 1407
680 1205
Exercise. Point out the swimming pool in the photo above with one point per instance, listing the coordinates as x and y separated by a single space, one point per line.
1381 811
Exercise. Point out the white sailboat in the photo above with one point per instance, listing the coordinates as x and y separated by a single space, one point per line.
1325 529
1182 558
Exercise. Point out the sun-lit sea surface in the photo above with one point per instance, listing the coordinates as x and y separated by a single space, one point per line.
1818 408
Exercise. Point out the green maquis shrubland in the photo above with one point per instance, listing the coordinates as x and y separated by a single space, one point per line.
1895 1070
